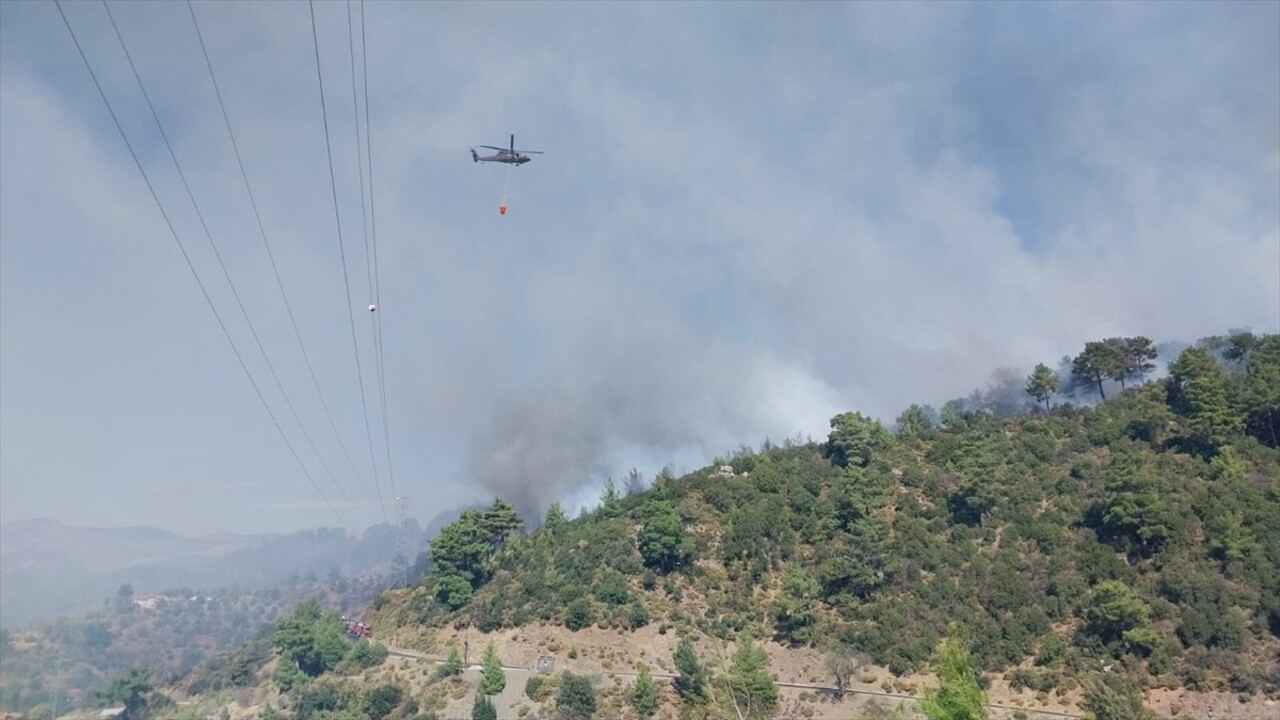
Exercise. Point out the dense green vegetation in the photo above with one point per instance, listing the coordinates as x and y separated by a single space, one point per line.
1142 532
313 641
315 669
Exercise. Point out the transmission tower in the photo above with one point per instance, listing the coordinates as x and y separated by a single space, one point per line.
402 507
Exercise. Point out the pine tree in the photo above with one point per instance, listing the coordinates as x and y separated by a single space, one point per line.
1197 391
1100 360
915 421
492 679
854 438
1134 507
555 518
958 696
1042 384
501 521
1138 354
793 614
691 684
1256 396
755 691
645 695
483 709
452 664
609 499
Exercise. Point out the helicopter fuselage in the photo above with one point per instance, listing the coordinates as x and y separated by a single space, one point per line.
502 157
509 155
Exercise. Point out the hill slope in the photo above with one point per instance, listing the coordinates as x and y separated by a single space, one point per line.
1142 534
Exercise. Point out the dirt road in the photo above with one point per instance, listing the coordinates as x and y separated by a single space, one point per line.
830 706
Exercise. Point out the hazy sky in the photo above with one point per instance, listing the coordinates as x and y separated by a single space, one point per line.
749 217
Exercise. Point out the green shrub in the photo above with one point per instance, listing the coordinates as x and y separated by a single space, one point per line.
578 614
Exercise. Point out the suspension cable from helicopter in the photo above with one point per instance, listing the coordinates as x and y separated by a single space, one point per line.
333 182
226 274
204 291
263 233
373 219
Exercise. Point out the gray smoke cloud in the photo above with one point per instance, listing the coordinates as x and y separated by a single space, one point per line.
640 396
727 294
732 236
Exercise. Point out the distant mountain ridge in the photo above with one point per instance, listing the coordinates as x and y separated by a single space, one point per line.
49 569
108 548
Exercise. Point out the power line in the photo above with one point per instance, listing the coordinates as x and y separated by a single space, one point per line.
262 231
342 253
355 111
225 273
185 256
370 270
373 216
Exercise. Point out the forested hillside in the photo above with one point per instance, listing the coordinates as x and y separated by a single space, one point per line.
1141 533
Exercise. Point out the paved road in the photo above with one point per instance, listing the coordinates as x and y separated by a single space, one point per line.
802 686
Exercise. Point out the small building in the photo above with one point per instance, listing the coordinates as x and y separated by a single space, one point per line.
147 602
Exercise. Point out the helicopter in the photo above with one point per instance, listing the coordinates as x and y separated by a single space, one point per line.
508 155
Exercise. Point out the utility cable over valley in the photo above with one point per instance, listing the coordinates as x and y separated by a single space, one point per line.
263 233
182 248
342 253
226 274
373 221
